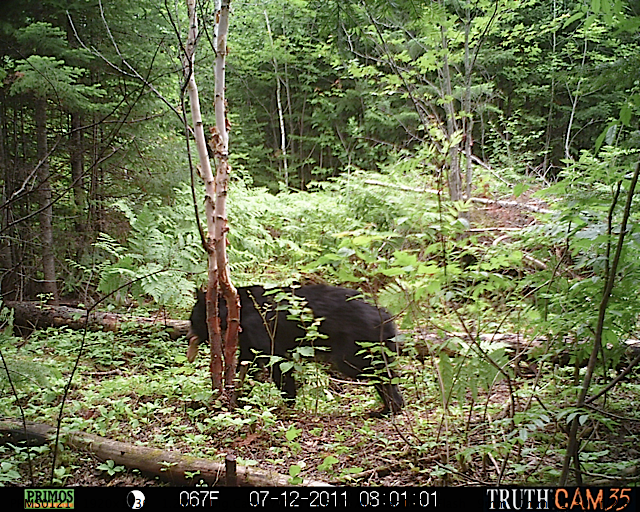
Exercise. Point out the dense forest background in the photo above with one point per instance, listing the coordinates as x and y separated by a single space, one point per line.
471 165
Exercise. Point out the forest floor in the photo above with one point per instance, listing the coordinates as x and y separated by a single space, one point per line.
329 436
392 451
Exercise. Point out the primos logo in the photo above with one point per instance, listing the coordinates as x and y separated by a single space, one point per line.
48 498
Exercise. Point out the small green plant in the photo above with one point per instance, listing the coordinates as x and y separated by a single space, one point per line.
291 434
9 473
328 463
294 472
110 467
61 474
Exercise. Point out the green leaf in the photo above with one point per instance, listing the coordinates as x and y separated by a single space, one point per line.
306 351
292 433
573 18
285 366
294 470
625 114
328 463
519 189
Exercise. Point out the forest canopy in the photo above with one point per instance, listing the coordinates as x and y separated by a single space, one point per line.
476 96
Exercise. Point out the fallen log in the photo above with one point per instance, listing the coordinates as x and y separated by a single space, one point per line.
169 466
481 200
35 315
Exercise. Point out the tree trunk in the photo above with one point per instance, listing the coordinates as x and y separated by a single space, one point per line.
575 98
547 162
213 322
467 121
76 159
454 178
95 199
283 137
221 150
34 315
46 215
215 202
7 273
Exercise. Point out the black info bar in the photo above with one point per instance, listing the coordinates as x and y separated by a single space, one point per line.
610 499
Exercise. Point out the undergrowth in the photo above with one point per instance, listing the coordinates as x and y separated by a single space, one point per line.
496 331
141 390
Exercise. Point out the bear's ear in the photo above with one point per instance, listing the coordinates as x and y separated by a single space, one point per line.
192 351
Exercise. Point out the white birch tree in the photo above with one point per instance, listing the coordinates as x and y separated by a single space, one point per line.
216 190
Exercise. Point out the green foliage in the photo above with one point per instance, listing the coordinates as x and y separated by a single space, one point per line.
24 372
272 233
44 72
269 236
376 97
476 363
42 38
587 226
110 467
161 249
547 81
550 66
48 77
9 473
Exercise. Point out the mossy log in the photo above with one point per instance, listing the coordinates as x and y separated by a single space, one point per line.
35 315
169 466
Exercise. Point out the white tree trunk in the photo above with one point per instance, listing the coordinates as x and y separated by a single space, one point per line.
215 197
454 177
283 137
210 191
220 140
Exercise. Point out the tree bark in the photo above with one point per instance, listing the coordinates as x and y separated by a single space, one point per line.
467 120
216 190
283 137
34 315
46 215
213 322
76 159
7 271
223 169
454 177
547 160
168 466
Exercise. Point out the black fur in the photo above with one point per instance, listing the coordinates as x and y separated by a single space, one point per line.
347 320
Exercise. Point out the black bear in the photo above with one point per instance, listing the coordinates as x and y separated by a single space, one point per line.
346 320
